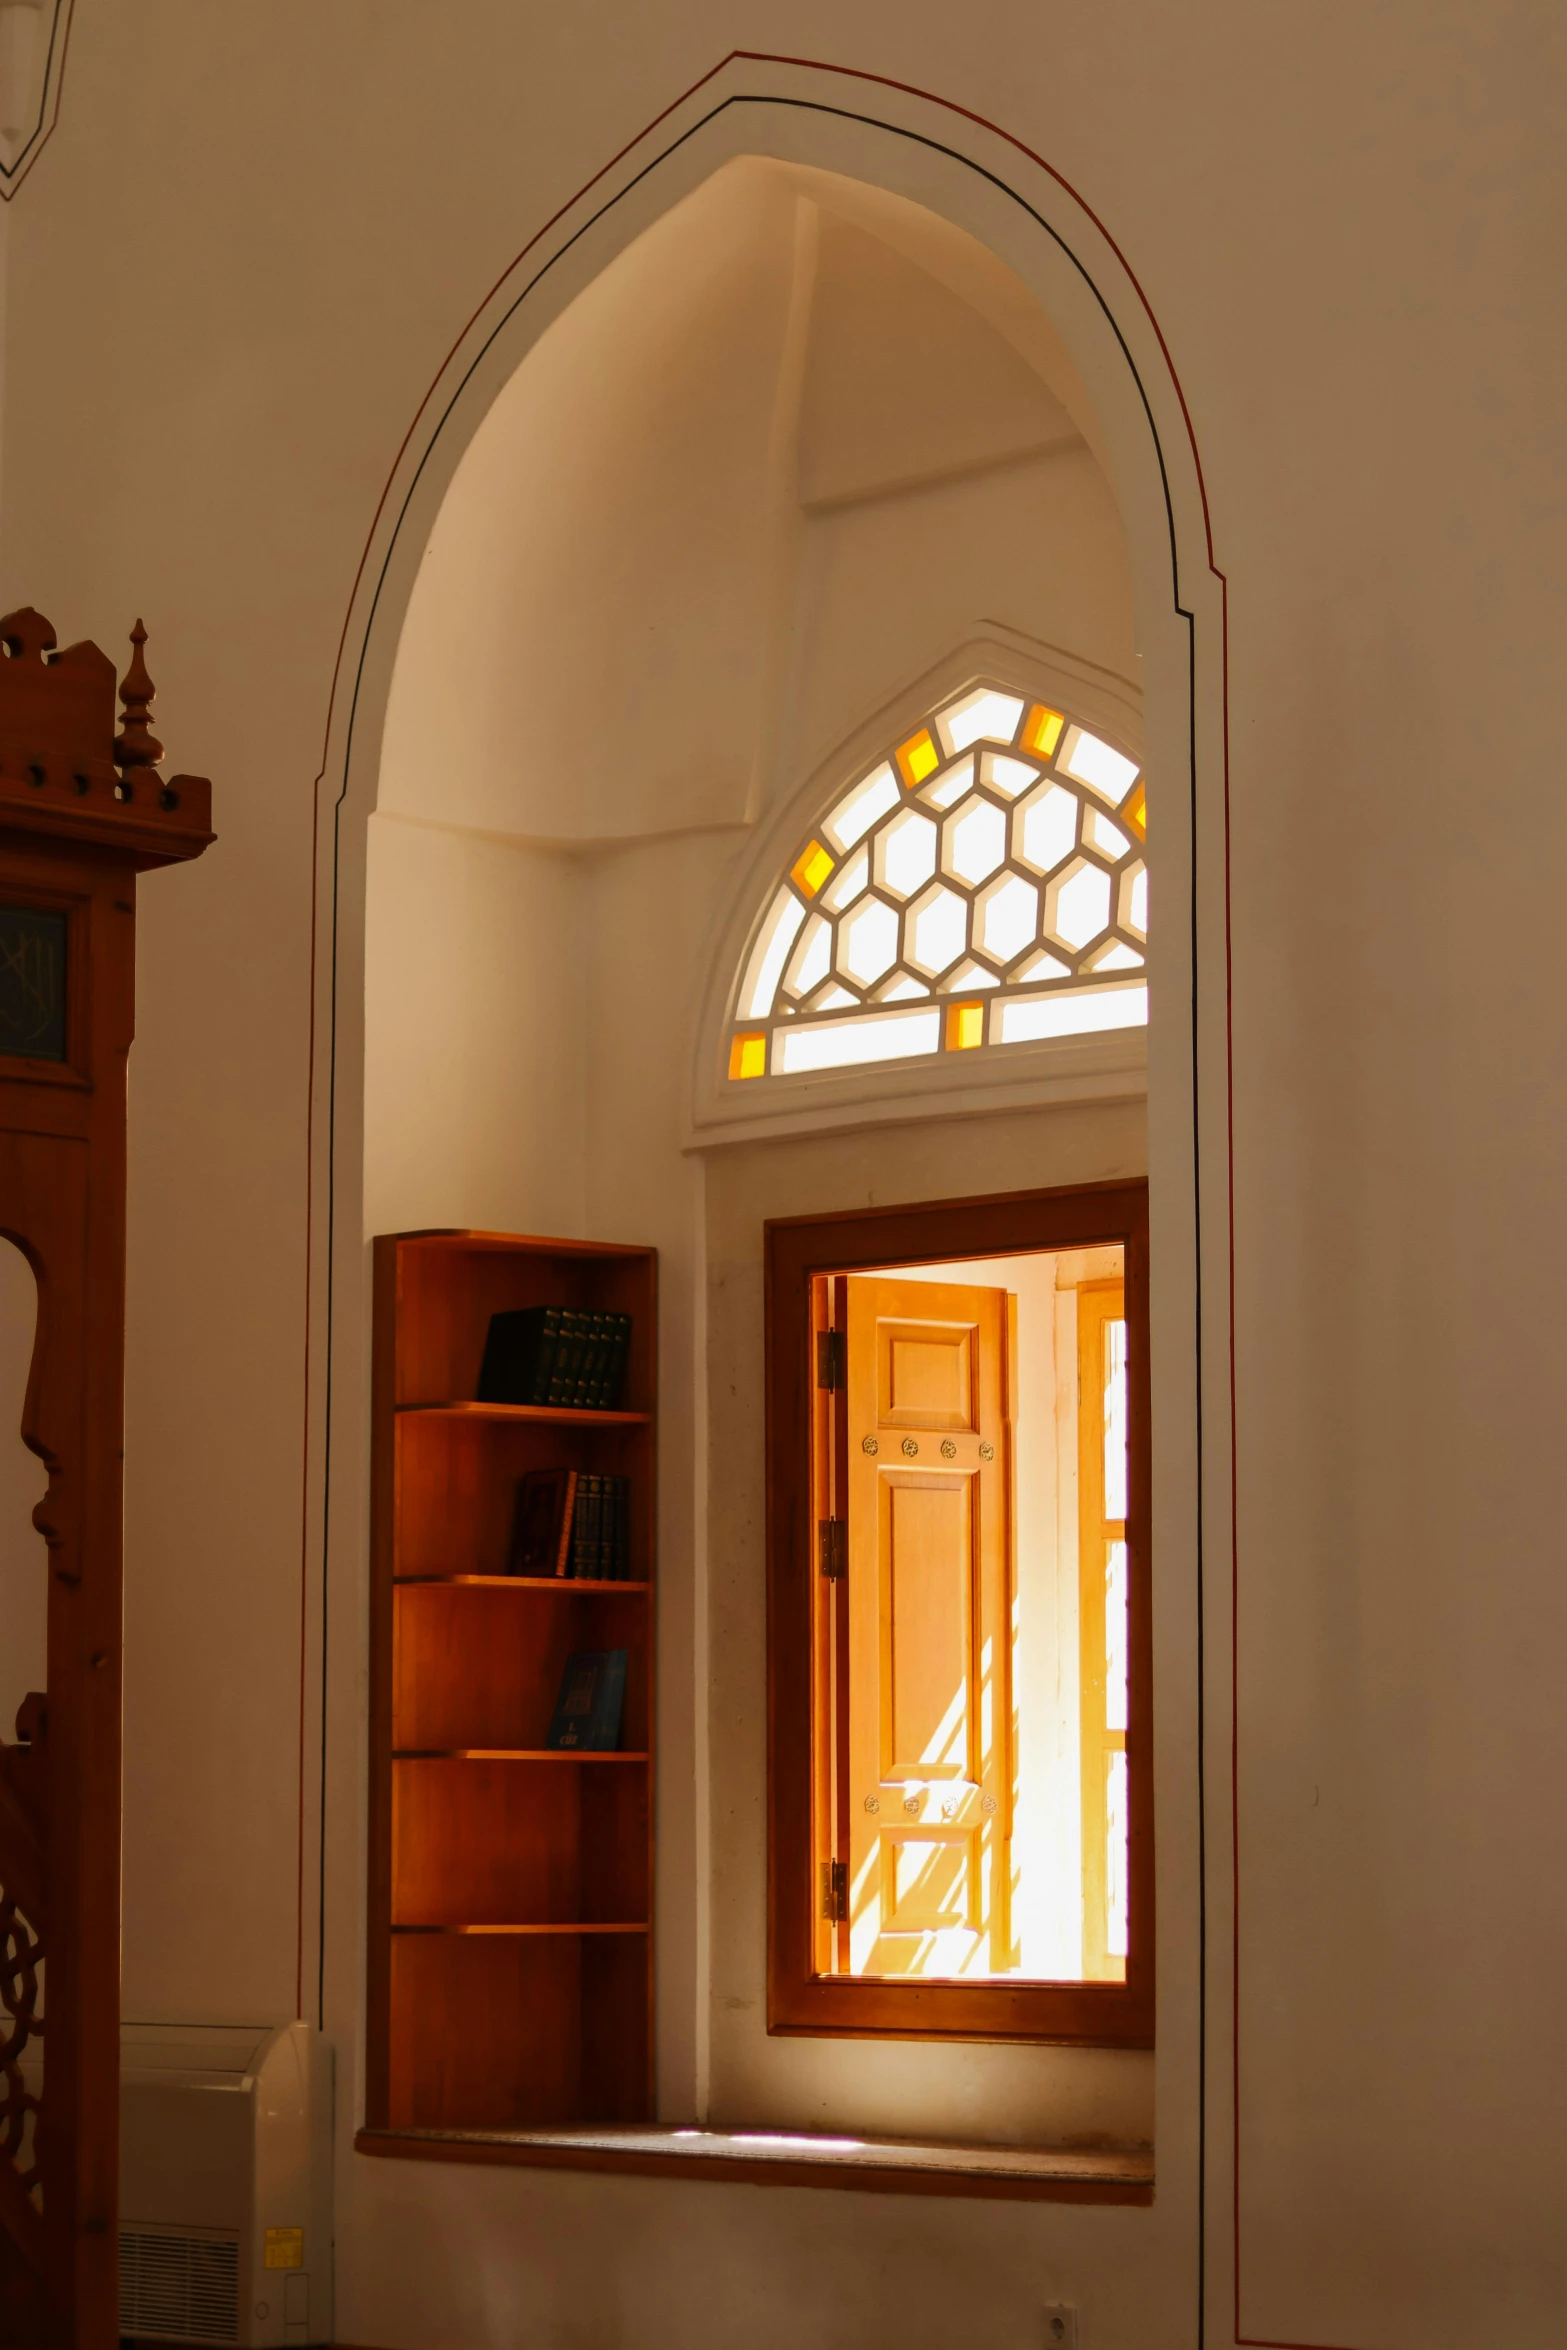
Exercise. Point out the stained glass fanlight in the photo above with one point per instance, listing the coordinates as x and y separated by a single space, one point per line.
984 884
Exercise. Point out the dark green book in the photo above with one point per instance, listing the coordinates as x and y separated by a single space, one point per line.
613 1378
563 1380
600 1347
519 1355
592 1699
586 1519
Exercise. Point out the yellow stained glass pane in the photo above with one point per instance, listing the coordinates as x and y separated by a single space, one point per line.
1043 730
748 1056
1135 812
811 868
965 1026
917 758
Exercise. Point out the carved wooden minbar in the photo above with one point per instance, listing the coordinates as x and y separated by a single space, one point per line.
82 812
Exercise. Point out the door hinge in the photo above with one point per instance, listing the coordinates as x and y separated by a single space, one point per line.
830 1360
835 1891
832 1536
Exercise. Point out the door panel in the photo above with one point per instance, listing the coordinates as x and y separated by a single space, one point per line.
925 1374
930 1884
929 1577
929 1724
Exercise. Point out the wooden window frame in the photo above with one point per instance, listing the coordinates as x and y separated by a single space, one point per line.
801 2001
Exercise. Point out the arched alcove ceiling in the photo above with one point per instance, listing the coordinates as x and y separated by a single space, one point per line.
781 455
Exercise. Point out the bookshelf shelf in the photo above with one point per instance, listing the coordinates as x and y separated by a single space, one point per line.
530 1754
563 1586
576 1927
510 1947
545 1415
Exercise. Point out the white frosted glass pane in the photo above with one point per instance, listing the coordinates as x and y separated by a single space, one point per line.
1046 828
938 930
901 989
1115 1855
1137 911
833 999
983 715
1115 1419
1094 763
1115 1636
967 978
1074 1012
1101 834
1118 958
1080 907
906 853
867 942
767 957
976 841
951 786
808 964
859 809
1007 775
1006 918
848 882
839 1044
1042 966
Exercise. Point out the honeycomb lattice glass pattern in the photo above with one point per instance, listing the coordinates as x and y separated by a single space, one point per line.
997 852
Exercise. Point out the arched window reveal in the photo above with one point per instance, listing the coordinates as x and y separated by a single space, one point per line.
984 885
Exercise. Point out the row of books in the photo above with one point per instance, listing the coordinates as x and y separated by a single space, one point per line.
572 1522
564 1356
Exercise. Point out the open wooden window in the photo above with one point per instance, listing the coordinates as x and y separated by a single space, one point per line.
960 1780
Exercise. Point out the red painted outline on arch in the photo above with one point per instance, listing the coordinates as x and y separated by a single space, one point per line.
63 23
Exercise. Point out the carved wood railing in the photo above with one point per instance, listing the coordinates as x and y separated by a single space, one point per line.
82 812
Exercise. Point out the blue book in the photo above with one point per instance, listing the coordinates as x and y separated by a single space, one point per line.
592 1695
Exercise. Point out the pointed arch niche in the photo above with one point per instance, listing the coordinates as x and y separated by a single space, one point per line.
782 477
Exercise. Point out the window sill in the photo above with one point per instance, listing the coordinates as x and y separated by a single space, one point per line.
779 2158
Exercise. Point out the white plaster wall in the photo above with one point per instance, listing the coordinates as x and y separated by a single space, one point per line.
233 273
551 680
474 1055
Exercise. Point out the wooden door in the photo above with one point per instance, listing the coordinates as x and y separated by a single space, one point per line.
930 1711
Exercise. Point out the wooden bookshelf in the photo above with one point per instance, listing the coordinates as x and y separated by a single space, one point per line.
510 1945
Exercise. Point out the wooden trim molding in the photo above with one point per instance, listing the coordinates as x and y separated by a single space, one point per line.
776 2158
801 1999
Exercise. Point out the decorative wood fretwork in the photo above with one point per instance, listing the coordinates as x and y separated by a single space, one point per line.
22 1810
82 812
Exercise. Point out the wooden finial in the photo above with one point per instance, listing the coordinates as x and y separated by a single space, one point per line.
136 745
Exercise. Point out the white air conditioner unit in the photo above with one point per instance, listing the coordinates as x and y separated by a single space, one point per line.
225 2184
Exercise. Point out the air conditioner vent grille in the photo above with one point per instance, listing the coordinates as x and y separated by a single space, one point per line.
179 2286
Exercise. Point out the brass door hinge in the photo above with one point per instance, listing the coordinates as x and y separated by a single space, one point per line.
835 1890
831 1362
832 1536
